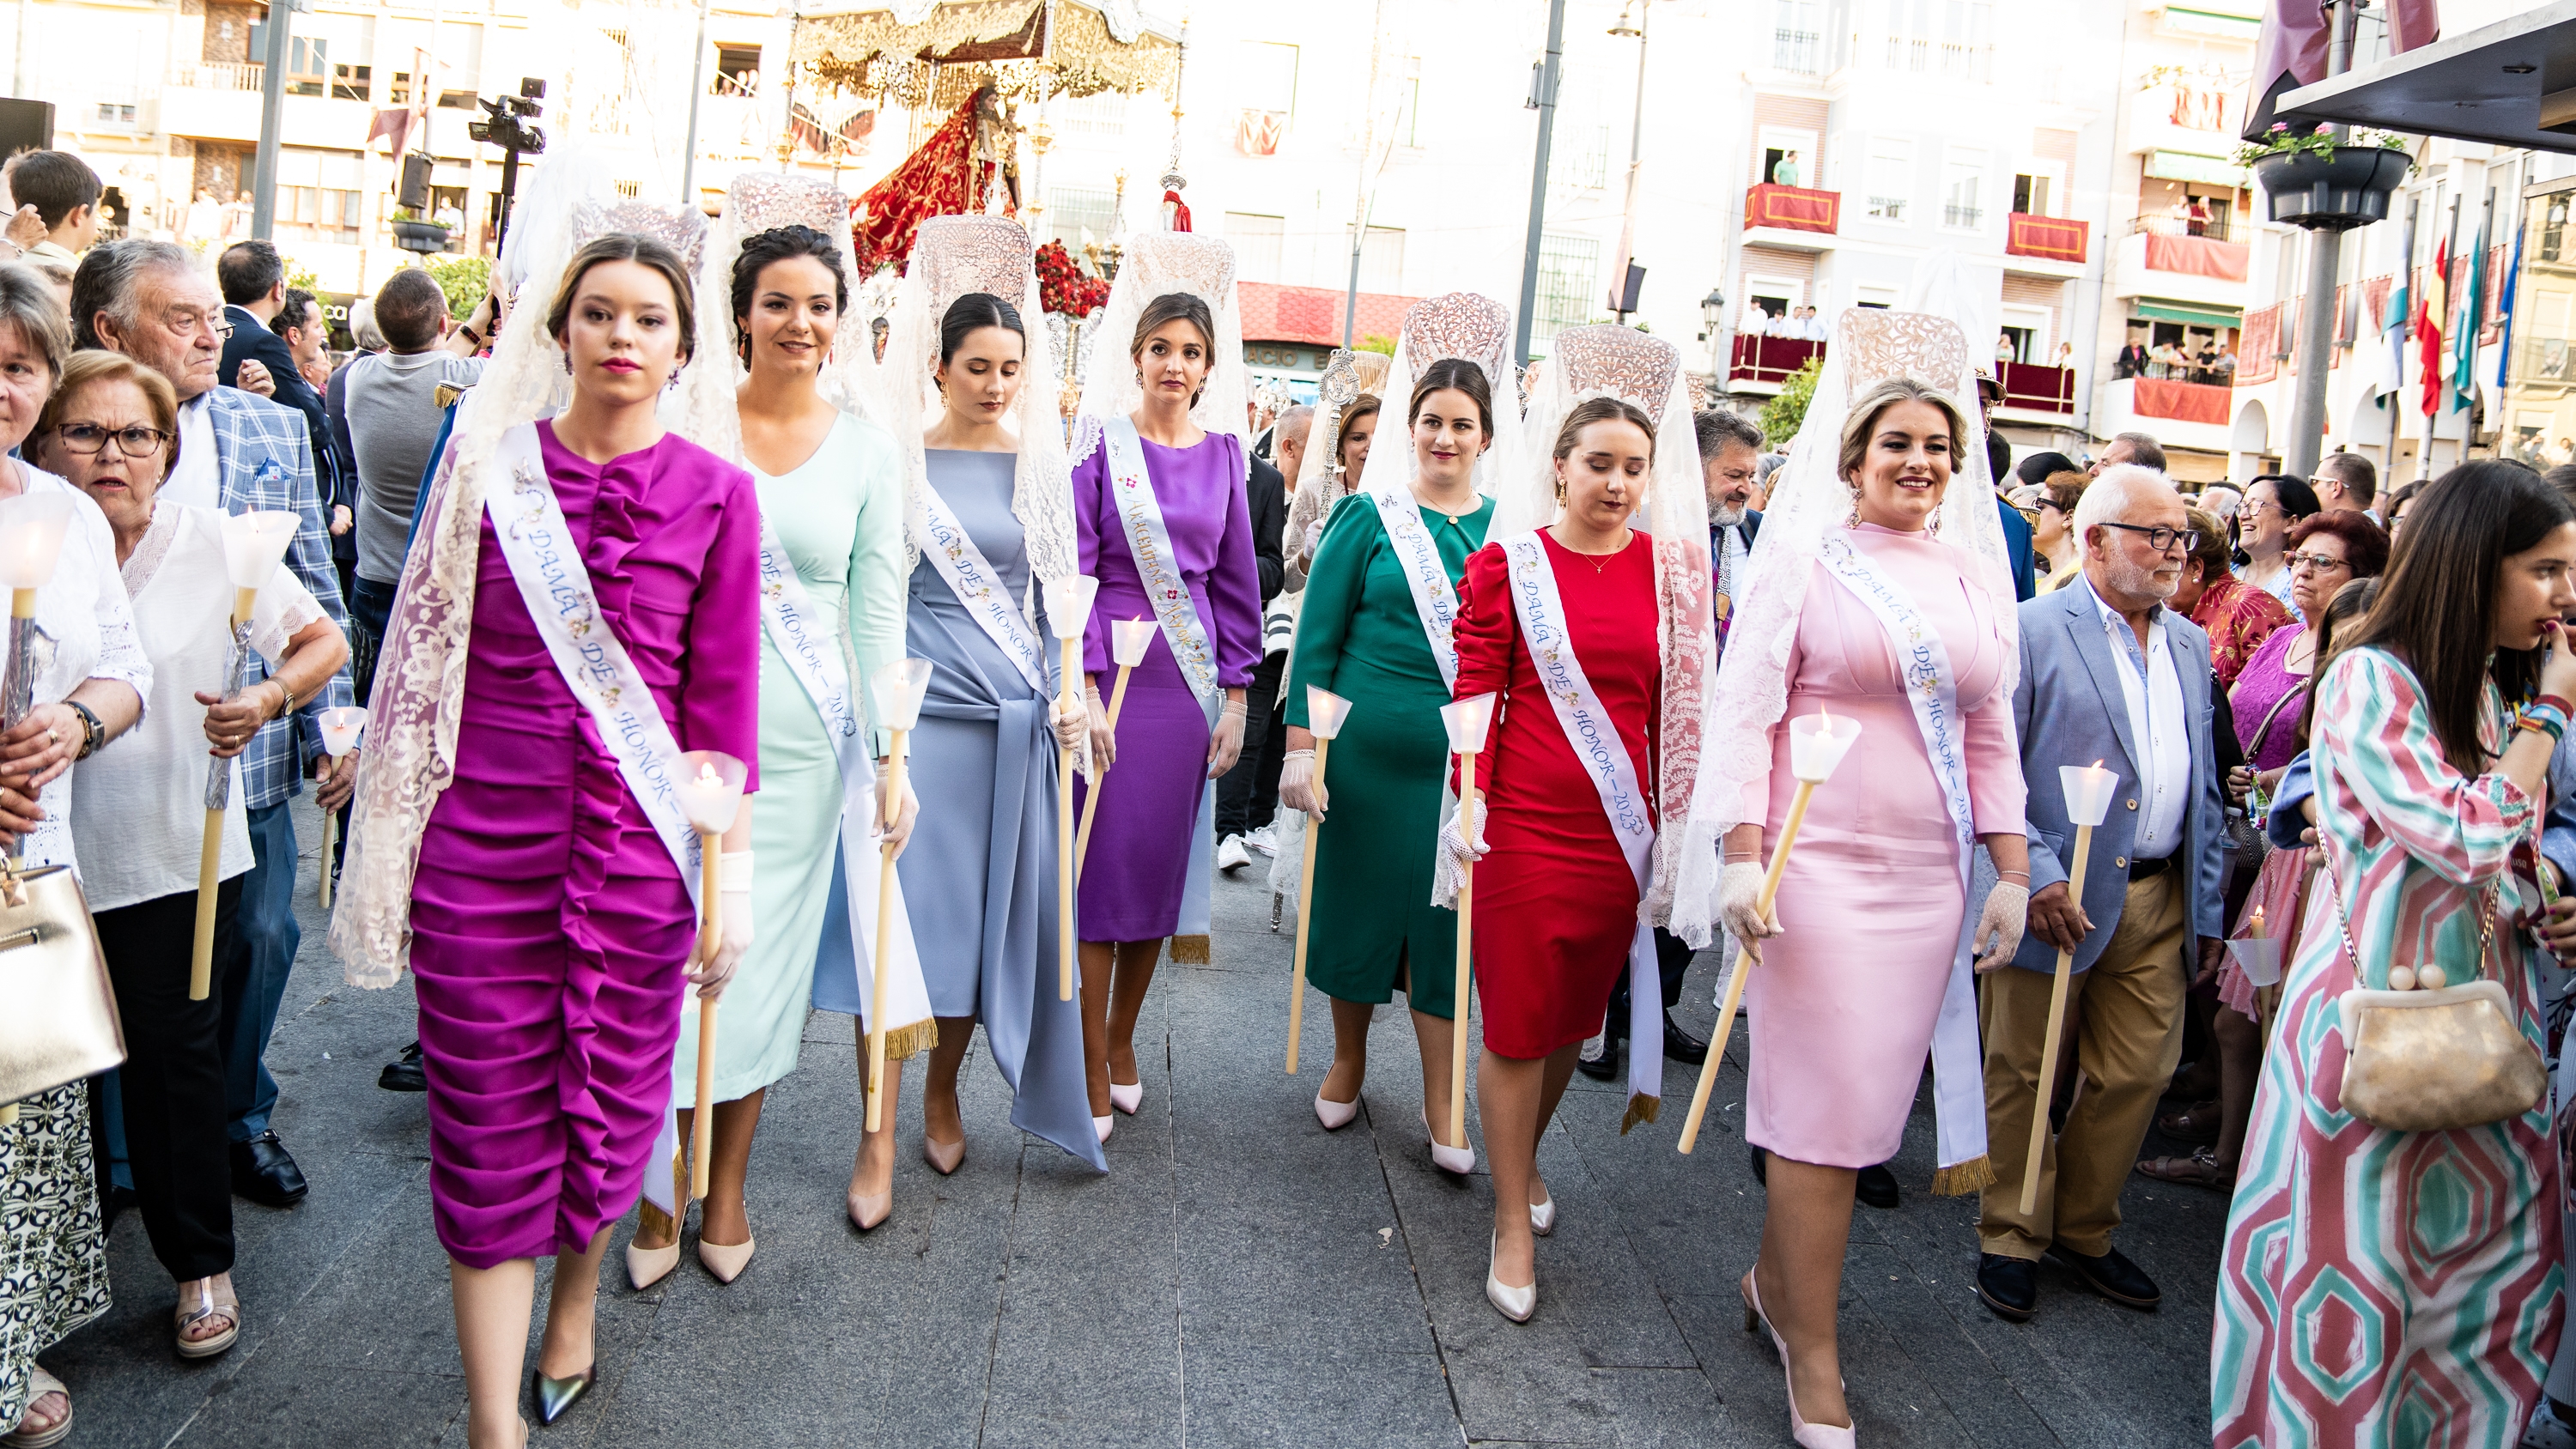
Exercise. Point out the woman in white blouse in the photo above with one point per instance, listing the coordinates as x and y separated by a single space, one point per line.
138 813
90 692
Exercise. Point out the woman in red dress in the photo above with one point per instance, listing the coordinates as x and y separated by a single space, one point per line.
1555 910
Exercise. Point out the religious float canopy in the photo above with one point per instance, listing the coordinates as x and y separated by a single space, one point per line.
918 53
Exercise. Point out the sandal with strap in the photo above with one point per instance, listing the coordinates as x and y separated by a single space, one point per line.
210 1304
2201 1169
26 1435
2199 1124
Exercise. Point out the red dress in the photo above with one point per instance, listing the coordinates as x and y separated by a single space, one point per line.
1555 905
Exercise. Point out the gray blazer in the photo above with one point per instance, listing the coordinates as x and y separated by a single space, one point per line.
2070 711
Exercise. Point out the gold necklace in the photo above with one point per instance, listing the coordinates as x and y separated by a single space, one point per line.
1599 562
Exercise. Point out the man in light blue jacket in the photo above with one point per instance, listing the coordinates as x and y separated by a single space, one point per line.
2108 676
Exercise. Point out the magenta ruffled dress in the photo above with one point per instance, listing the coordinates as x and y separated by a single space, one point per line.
550 929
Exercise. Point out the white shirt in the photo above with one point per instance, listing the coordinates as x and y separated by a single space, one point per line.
83 608
138 810
2158 727
195 480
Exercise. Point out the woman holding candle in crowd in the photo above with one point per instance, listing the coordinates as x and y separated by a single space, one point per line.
1375 628
513 842
2325 552
1573 822
1878 535
969 388
1158 489
2427 800
832 508
53 1268
110 429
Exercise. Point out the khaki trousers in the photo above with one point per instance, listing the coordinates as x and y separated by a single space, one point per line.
2127 1044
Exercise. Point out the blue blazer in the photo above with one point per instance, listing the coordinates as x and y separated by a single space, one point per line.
2070 711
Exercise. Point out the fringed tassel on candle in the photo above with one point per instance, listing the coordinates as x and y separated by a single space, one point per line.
1191 951
1641 1108
1972 1176
903 1041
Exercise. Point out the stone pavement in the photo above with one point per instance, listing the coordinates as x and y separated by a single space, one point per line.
1241 1277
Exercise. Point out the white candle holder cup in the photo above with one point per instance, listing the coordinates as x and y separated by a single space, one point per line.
710 789
32 526
1817 744
341 728
255 544
2259 957
2088 792
1068 605
1129 639
1467 720
1326 712
900 687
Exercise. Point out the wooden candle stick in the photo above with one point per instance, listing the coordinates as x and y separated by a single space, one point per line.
1466 947
888 810
2088 800
1068 608
1325 712
210 848
710 937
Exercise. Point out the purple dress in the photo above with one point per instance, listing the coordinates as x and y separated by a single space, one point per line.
549 925
1139 863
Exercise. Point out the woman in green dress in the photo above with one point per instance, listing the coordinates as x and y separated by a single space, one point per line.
1374 629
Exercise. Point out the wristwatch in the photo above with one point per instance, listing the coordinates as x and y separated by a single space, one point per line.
93 733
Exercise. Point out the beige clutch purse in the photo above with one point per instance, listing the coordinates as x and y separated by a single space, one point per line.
57 1011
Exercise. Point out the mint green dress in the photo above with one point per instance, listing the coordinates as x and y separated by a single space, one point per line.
840 516
1358 636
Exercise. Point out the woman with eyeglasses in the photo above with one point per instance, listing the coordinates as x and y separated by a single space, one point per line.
2052 528
2273 503
137 810
2324 553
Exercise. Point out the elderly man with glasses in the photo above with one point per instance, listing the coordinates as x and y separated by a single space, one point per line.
152 302
2109 675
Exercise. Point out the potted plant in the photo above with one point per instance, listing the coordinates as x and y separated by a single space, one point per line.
415 235
2312 180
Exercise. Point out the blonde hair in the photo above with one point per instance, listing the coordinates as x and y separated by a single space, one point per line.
1866 410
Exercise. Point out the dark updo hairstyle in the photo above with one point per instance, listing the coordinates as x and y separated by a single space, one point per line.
1177 307
1602 410
972 313
781 244
644 252
1454 374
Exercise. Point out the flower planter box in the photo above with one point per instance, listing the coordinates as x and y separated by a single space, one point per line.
420 236
2331 191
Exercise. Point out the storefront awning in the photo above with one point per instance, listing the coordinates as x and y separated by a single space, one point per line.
2188 316
2512 83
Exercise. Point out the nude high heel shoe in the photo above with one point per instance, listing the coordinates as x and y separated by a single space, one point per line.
1127 1098
1543 1217
648 1266
945 1157
727 1260
1806 1435
1458 1160
1102 1125
1334 1115
1516 1304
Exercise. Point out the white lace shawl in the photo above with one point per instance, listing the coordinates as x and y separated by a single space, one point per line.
1477 329
1157 263
1318 484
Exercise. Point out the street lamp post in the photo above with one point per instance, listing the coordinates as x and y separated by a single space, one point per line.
2317 315
1542 100
1712 319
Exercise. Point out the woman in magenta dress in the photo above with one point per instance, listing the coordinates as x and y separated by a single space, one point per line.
1180 488
501 845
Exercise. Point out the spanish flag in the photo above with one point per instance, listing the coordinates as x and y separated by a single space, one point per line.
2430 321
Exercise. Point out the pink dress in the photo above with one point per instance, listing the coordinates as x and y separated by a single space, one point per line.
1843 1006
549 925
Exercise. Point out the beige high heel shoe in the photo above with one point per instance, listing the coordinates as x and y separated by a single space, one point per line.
727 1260
944 1157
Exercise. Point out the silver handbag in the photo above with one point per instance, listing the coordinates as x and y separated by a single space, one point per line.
58 1019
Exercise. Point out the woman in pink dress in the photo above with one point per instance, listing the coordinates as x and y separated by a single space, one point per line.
503 844
1844 1002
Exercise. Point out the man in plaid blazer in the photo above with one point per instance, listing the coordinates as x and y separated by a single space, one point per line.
151 301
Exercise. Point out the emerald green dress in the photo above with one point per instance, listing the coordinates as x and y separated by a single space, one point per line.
1358 636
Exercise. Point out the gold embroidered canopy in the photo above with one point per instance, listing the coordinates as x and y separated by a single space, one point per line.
915 52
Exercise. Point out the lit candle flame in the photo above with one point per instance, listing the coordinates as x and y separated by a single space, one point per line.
707 776
2097 764
1824 724
2258 921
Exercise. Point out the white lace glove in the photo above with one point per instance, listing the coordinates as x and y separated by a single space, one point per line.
2007 910
1300 788
1104 741
1071 726
733 922
1456 843
1225 742
900 834
1739 905
1314 536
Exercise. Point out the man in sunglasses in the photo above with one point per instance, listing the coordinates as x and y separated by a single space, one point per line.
2109 676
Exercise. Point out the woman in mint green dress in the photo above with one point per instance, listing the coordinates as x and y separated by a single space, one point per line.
831 497
1360 635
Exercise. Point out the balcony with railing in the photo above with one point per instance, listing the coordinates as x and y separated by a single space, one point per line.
1762 364
2032 387
214 75
1796 217
2060 239
2200 261
1798 51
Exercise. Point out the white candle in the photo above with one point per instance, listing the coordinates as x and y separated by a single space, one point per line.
1467 720
1326 710
710 789
1817 744
2088 792
340 729
254 544
899 687
1068 605
31 538
1129 639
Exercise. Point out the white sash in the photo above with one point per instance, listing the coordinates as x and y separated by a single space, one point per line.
1435 601
1932 688
555 585
1149 541
1595 739
951 550
812 652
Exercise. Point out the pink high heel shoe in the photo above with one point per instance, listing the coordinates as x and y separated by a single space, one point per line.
1808 1436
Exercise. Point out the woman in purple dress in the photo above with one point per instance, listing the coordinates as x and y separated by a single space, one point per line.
1159 476
513 836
